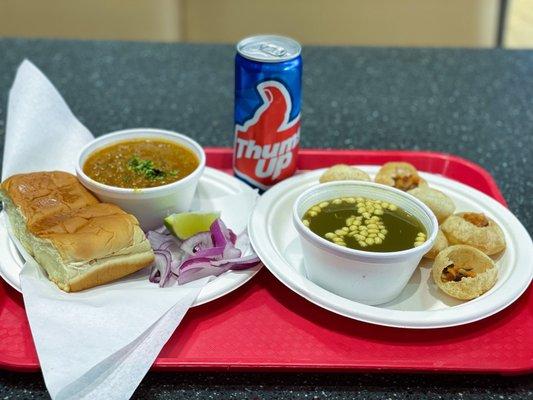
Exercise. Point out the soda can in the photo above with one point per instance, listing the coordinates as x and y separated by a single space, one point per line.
268 84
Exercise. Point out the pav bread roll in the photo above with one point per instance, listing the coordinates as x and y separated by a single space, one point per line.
78 241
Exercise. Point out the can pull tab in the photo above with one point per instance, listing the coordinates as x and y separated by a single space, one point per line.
272 50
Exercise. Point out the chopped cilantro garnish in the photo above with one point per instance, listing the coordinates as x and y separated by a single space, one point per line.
146 168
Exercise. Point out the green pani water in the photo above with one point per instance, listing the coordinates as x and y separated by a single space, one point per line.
365 224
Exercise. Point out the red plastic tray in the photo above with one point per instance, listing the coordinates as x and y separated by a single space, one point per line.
265 326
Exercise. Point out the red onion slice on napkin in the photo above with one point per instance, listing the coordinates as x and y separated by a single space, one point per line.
209 253
200 241
201 272
161 268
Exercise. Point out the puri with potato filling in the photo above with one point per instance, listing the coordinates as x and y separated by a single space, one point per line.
400 175
476 230
464 272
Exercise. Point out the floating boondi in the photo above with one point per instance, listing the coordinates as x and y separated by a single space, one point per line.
365 224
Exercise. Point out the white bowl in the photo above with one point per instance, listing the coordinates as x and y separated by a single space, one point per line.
363 276
149 205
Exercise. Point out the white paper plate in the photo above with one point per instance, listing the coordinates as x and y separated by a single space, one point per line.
421 305
212 184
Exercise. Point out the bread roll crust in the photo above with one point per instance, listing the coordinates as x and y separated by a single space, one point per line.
109 271
79 241
46 198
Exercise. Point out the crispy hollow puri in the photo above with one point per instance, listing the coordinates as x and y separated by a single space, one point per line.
440 244
441 205
78 241
342 172
400 175
477 263
476 230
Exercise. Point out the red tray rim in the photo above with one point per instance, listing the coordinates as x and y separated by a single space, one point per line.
494 188
166 364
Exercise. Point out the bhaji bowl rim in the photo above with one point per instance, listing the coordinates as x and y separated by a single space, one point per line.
137 132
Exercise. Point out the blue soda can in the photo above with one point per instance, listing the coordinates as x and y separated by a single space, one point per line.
268 86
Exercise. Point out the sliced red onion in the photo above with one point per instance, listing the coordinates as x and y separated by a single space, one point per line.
173 245
212 253
193 274
163 229
175 265
232 236
197 242
161 267
241 265
156 239
231 252
250 260
219 253
196 268
219 233
204 254
155 274
194 262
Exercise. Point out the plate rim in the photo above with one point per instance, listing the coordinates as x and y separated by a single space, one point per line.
259 233
209 292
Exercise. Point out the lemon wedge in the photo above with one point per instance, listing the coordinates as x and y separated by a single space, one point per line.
185 225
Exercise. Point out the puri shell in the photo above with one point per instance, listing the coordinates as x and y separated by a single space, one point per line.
400 175
440 244
441 205
476 230
342 172
472 262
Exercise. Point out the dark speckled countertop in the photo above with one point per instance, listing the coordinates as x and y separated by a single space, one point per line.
477 104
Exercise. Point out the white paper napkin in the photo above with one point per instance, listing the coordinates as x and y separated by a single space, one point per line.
99 343
42 134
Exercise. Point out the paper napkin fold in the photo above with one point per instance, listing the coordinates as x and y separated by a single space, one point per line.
42 134
99 343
